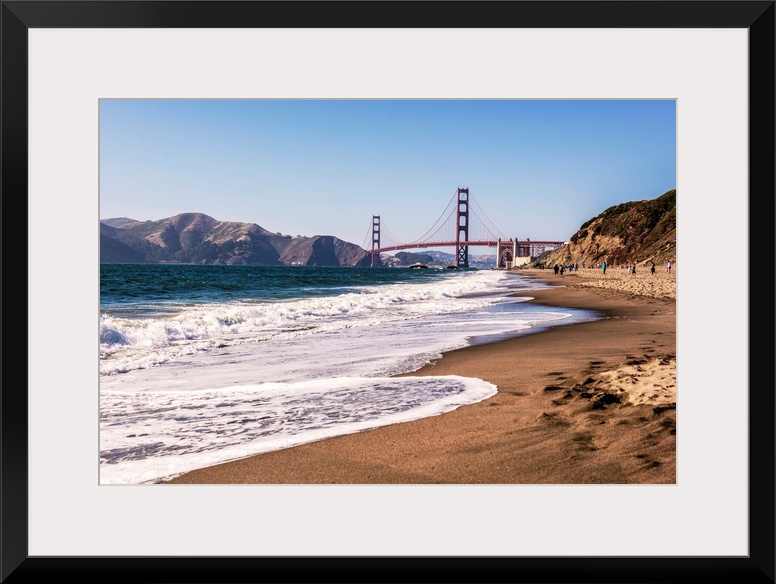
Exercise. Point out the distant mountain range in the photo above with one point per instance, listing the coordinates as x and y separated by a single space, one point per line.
196 238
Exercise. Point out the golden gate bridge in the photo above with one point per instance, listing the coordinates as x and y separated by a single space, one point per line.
464 225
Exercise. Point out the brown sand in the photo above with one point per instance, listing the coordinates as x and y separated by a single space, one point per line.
587 403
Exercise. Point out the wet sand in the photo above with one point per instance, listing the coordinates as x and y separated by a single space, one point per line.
589 403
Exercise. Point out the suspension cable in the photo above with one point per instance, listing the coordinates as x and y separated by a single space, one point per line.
371 228
444 224
489 219
421 238
391 236
485 227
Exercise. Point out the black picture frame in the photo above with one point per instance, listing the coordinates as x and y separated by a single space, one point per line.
755 16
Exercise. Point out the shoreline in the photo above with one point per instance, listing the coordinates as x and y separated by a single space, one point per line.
585 403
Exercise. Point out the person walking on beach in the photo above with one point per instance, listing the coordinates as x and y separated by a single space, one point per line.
668 267
556 269
633 269
652 267
603 268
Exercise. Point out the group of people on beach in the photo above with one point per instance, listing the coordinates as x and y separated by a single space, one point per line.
559 269
632 267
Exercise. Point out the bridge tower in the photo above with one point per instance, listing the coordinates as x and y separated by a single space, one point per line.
375 237
462 229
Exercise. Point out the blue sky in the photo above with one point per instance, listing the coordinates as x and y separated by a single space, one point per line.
538 169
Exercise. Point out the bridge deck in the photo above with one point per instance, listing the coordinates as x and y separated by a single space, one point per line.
475 243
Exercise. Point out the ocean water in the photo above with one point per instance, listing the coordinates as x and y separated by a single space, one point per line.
204 364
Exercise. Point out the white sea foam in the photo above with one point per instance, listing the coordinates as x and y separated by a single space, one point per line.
135 343
159 435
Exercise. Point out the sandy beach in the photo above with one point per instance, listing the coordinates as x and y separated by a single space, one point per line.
589 403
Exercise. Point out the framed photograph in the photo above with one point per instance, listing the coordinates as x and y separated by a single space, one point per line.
70 74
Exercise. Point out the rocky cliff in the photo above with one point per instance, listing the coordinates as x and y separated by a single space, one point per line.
635 232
